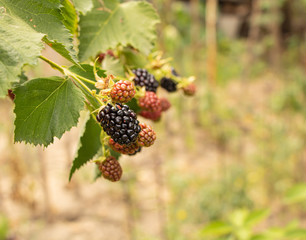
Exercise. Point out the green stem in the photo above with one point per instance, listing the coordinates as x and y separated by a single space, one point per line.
53 64
68 73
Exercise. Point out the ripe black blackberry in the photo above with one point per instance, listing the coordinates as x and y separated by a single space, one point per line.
169 84
144 79
119 122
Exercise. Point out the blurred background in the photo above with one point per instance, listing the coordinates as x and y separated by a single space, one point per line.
228 164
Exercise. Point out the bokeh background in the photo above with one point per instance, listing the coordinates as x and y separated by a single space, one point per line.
228 164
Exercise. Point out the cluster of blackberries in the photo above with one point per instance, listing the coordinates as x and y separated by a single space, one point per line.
127 135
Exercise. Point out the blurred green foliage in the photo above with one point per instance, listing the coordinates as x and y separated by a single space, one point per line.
254 118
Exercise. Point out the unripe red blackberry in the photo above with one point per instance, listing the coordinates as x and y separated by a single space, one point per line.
123 91
146 136
120 123
169 84
190 89
111 169
150 102
123 149
144 79
101 56
165 104
137 151
154 116
11 94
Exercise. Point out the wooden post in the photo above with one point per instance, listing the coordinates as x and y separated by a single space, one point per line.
252 38
211 41
276 35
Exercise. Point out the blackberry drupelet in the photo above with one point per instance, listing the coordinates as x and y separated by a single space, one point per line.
144 79
123 149
169 84
111 169
119 122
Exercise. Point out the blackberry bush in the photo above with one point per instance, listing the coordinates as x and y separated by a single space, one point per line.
97 76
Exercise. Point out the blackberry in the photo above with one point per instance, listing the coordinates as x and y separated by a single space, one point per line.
165 104
120 123
150 102
169 84
123 91
190 89
123 149
11 94
111 169
154 116
144 79
147 136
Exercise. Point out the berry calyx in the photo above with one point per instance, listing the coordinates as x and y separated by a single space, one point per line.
120 123
111 169
154 116
123 91
190 89
123 149
144 79
169 84
150 102
146 136
165 104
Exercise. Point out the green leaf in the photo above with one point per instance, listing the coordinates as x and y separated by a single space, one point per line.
19 45
70 16
89 145
256 216
45 17
45 108
133 59
133 105
298 233
216 229
113 66
4 227
296 194
83 6
130 23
